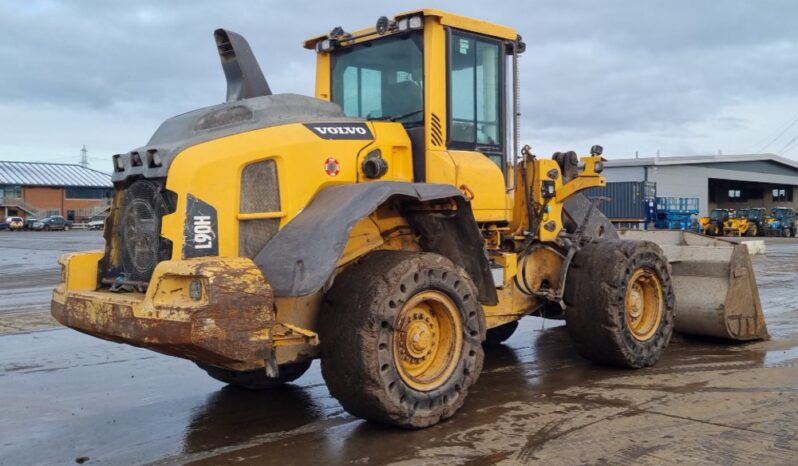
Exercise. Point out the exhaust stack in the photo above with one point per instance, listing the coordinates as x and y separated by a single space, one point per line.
244 76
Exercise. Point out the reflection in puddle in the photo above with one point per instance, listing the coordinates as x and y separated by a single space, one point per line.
234 415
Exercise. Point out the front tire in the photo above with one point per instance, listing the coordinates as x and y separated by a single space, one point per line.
620 303
257 379
401 336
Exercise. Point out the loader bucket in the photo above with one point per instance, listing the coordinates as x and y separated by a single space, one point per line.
714 283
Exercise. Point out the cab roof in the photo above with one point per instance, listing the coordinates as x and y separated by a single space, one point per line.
446 19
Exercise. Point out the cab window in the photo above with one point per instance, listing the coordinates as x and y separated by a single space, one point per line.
382 79
475 94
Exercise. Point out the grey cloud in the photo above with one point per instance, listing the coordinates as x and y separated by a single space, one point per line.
643 75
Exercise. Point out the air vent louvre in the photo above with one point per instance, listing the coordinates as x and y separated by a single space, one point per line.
259 189
435 130
260 193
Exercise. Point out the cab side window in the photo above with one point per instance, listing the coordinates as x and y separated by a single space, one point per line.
475 94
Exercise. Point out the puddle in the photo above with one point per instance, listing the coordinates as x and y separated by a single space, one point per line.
777 357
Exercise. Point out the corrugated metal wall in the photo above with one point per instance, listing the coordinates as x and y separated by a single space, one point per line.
628 199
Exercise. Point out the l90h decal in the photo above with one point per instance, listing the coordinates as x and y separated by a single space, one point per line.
340 130
201 235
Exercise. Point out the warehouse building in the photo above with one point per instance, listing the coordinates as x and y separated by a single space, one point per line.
37 190
728 181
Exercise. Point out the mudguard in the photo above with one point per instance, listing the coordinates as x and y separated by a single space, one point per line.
303 255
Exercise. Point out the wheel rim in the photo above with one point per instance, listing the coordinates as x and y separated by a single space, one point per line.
644 304
428 340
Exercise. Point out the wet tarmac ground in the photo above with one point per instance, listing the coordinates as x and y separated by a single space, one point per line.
65 396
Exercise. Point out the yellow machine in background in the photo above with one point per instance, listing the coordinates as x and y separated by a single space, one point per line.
391 225
714 224
737 223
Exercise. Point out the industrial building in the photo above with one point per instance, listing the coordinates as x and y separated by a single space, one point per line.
721 181
37 190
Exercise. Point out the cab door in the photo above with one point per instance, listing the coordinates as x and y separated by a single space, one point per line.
476 141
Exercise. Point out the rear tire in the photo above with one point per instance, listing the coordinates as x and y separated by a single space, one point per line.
620 303
498 335
401 336
257 379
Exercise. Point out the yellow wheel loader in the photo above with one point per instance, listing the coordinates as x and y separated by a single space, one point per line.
390 226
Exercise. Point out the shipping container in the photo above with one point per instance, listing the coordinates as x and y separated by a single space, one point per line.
629 201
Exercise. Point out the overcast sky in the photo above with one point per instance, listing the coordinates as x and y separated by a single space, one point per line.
678 77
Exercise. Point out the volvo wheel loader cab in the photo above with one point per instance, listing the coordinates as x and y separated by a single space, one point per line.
390 226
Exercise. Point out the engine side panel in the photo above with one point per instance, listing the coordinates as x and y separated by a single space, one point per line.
306 163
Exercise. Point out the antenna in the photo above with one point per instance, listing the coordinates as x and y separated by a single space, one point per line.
84 159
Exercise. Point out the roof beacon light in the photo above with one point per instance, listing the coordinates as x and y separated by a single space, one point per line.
382 25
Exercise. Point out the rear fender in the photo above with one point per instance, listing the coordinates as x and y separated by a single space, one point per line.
302 257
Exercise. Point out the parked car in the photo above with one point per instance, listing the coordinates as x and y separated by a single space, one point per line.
55 222
3 225
97 222
15 223
29 223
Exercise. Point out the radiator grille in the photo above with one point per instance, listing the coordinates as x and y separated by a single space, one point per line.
260 193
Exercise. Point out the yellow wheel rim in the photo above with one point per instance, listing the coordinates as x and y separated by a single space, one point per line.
427 340
644 304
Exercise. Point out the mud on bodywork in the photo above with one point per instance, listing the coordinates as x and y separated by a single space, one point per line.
219 311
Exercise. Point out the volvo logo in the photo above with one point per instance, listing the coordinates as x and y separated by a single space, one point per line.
340 130
324 130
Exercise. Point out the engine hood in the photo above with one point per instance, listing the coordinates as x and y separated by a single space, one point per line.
205 124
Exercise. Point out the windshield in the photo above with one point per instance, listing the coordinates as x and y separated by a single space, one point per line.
743 213
381 79
778 213
755 214
716 215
